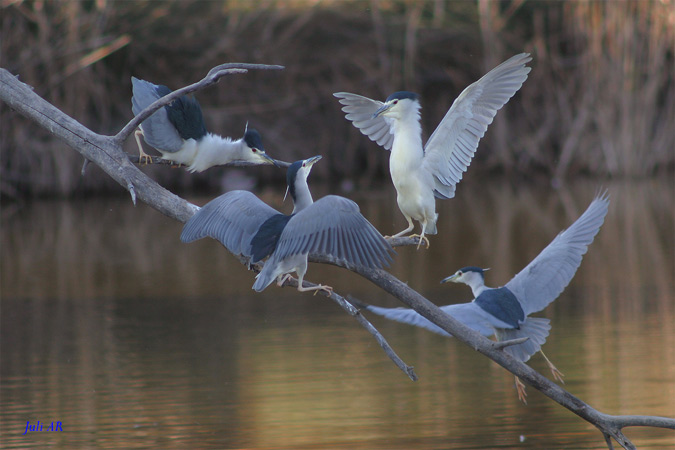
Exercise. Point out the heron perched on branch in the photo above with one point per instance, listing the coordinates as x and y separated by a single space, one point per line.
178 132
422 173
331 226
505 311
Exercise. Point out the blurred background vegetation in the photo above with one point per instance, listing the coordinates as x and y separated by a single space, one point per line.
600 99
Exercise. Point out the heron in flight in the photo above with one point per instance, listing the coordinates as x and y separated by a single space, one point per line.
178 132
331 226
423 173
504 311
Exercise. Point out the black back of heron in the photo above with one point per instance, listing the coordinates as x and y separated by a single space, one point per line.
266 239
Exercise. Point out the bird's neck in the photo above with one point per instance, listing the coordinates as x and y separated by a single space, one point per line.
477 287
214 150
302 198
407 151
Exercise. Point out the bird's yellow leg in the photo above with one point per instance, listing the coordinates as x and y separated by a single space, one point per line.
520 387
317 288
143 158
282 279
406 231
422 237
557 375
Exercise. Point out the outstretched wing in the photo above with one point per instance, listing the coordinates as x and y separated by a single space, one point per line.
550 272
233 219
158 131
468 314
451 147
360 112
333 226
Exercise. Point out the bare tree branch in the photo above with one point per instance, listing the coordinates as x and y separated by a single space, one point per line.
211 78
158 160
107 153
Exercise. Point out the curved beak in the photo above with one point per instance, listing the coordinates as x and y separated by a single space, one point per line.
452 278
383 109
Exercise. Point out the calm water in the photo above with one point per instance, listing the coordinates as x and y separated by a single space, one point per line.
133 340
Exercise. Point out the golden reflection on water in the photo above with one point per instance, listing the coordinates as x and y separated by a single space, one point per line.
134 340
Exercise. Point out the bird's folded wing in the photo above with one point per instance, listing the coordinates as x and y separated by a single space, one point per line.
469 314
550 272
333 226
233 219
158 131
360 112
451 147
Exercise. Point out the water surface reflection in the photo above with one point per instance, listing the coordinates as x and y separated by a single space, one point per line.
134 340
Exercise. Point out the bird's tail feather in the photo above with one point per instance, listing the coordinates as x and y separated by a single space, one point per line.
431 227
263 279
534 328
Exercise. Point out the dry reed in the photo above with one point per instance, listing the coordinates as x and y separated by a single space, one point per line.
600 98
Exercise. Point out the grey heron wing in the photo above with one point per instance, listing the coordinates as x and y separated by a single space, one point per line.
545 277
469 314
158 131
334 227
233 219
359 110
451 147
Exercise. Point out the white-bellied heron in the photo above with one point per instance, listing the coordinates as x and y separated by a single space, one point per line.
423 173
178 132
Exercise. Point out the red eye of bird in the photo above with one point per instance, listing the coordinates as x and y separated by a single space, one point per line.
395 102
254 150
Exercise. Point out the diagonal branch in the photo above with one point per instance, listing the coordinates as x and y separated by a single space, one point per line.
350 309
609 425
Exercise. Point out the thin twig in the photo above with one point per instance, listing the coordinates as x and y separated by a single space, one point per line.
211 78
351 310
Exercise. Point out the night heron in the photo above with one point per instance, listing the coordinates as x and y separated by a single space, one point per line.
504 311
331 226
422 173
178 131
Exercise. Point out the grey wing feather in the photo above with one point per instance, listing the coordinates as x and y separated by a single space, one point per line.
451 147
550 272
469 314
158 131
360 112
333 226
233 219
